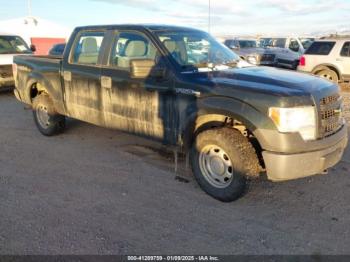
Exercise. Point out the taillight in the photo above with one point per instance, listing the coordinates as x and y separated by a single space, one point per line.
302 61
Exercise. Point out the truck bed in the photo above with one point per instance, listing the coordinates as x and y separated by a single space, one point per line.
46 70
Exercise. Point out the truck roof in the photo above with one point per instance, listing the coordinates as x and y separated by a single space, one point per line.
331 39
150 27
7 34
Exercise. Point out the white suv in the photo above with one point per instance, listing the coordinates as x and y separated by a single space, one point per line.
328 58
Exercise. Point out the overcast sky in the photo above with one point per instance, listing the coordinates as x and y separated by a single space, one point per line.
227 16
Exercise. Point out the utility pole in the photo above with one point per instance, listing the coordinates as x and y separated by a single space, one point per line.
209 16
29 6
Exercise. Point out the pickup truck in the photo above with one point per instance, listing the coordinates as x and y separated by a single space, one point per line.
235 121
248 50
287 50
10 45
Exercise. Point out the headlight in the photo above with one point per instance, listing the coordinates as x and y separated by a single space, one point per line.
252 60
295 119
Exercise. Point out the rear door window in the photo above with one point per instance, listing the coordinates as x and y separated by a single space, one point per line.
320 48
345 51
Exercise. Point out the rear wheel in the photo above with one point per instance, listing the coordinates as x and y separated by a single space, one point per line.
329 75
221 161
47 120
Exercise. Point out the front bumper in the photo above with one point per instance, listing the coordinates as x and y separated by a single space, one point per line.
266 63
280 167
6 81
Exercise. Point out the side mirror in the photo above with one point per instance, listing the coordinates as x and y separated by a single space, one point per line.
33 48
143 68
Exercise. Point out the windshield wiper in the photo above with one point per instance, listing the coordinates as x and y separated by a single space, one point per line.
231 63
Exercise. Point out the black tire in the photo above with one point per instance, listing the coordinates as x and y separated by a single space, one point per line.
329 74
55 123
239 152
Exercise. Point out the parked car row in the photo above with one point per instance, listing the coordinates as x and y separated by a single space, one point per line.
281 51
327 57
181 87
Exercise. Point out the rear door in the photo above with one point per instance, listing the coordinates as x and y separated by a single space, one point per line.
344 59
140 106
81 76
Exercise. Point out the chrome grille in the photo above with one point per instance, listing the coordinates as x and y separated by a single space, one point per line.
267 58
331 115
329 99
6 71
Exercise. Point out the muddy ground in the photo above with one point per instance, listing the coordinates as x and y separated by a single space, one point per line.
98 191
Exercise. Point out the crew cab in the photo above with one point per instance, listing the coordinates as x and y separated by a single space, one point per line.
234 120
287 50
10 45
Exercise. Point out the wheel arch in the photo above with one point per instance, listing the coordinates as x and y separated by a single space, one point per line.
236 114
332 67
36 85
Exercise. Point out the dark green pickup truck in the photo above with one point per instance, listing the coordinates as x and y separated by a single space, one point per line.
181 87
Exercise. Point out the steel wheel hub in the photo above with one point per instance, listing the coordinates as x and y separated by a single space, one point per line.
216 166
43 116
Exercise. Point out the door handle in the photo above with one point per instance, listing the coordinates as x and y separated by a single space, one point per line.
106 82
339 60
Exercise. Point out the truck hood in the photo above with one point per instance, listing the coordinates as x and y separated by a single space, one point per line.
6 59
264 86
272 80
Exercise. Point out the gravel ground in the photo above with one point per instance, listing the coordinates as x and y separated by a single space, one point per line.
346 97
98 191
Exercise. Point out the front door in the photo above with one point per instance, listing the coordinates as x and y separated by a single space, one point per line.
82 81
140 106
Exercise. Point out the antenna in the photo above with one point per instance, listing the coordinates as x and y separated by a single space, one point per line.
209 15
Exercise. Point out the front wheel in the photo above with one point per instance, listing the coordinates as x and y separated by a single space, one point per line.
222 159
47 120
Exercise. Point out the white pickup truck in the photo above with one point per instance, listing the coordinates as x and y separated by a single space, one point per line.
287 50
10 45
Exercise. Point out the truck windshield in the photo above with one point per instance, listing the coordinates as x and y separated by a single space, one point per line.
247 43
273 42
197 50
13 45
